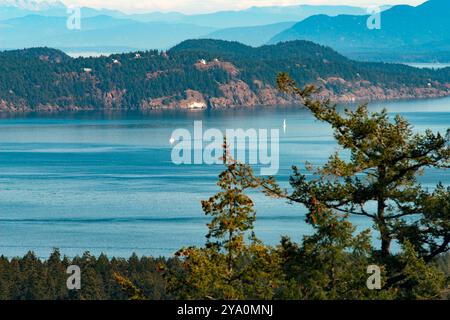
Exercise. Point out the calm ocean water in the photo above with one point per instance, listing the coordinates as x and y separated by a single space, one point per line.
106 183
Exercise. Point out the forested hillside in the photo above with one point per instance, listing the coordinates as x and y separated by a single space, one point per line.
200 74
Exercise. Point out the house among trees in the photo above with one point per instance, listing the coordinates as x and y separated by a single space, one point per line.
197 105
87 70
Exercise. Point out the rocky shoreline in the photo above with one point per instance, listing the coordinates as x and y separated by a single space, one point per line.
239 95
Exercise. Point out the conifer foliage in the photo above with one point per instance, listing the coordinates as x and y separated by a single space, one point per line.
379 181
229 267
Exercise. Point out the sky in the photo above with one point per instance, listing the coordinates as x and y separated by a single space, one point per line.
200 6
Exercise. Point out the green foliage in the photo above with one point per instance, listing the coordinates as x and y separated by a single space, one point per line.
228 267
38 79
385 160
421 281
320 265
31 278
129 288
47 77
231 209
306 62
379 181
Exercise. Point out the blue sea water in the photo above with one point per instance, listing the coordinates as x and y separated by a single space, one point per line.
106 182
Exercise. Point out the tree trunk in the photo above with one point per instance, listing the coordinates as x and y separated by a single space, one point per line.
384 230
381 221
385 246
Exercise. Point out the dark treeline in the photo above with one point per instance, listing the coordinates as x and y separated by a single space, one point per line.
31 278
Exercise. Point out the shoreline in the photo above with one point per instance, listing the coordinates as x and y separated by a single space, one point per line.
86 110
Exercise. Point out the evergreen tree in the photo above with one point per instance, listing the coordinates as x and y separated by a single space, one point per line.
420 280
229 267
5 279
92 286
33 283
56 276
379 181
331 263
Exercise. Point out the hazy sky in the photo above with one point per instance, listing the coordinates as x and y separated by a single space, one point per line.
196 6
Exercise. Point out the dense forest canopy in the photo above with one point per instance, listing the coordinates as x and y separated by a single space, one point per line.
33 78
31 278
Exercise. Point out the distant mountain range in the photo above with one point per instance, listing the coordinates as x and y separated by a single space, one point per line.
266 15
201 74
98 33
28 24
407 33
223 19
252 36
21 8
